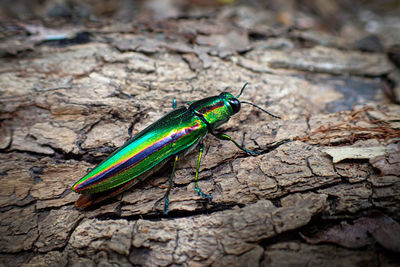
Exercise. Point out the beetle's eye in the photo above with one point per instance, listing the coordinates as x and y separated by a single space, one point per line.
235 104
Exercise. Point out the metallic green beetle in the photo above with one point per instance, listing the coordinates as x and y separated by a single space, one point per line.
171 137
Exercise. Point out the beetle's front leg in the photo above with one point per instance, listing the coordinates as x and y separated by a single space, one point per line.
227 137
171 183
196 186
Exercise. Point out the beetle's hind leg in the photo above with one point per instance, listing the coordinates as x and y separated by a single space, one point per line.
196 186
223 136
171 183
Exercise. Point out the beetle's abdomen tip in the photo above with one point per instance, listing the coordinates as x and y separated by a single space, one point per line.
77 188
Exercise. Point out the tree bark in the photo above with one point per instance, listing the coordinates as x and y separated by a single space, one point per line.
66 107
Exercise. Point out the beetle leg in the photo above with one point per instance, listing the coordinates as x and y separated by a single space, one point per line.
171 183
223 136
174 103
196 186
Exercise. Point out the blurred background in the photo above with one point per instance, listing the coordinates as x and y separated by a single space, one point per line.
370 25
340 16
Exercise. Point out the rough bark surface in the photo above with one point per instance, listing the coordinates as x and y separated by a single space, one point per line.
66 107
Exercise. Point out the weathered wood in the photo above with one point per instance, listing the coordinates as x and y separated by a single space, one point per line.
63 109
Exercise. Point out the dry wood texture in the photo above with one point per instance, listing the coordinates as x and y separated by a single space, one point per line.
66 104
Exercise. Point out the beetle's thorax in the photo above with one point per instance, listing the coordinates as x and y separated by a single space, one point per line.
215 110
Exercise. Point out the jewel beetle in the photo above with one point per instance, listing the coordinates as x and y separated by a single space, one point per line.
170 138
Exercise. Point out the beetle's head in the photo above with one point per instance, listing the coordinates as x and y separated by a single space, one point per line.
232 101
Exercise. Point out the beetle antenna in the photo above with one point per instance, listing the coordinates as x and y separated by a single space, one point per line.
254 105
241 91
